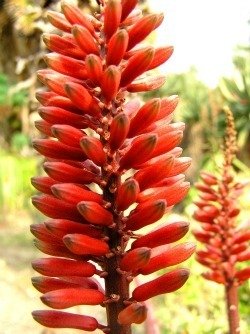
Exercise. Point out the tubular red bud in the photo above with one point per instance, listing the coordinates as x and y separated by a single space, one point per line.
164 235
168 105
170 257
80 96
146 214
136 65
208 178
40 232
112 17
172 194
84 245
54 248
161 55
135 313
75 16
59 319
43 184
64 172
241 236
141 148
58 21
135 259
85 40
53 266
167 142
214 276
46 284
61 227
95 213
117 47
244 256
93 149
144 117
56 150
62 46
127 194
118 130
151 175
44 127
66 65
142 28
94 68
166 283
147 84
55 208
67 134
243 275
110 82
74 194
64 298
56 115
127 7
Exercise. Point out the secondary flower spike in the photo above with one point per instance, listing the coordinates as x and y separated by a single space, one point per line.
113 167
225 243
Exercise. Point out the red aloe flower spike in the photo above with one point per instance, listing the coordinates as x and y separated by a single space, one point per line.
135 313
217 211
166 283
113 167
112 17
64 298
117 47
135 259
84 245
118 131
59 319
63 267
75 16
85 40
127 194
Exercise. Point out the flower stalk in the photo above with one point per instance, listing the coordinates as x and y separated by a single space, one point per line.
113 167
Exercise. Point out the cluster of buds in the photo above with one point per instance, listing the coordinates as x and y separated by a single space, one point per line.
113 167
225 243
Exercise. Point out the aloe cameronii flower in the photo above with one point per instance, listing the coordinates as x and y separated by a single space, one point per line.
106 155
225 244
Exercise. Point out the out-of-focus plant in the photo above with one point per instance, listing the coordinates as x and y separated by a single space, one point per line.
226 243
236 92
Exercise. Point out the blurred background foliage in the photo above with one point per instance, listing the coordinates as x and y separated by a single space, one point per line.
197 308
